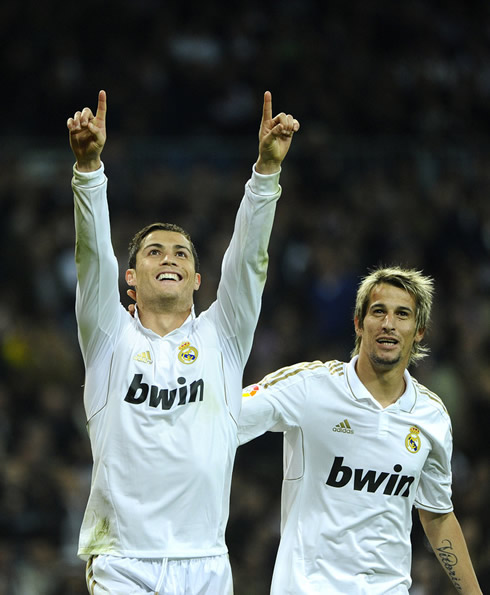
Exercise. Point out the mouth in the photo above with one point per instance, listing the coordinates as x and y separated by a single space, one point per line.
168 276
387 342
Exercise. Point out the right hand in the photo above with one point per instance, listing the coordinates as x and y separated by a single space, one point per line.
88 135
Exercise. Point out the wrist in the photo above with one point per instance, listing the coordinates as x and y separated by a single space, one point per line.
267 167
88 165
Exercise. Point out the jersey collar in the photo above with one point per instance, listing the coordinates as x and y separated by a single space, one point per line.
406 402
188 320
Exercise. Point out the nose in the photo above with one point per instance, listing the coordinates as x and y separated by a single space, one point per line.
167 258
389 322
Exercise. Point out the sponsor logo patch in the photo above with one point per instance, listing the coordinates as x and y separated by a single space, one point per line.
250 391
369 480
144 356
164 398
344 427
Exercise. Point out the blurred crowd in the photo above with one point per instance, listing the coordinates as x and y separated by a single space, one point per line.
391 166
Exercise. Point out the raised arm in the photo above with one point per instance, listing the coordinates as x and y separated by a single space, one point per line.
447 540
97 300
88 135
244 270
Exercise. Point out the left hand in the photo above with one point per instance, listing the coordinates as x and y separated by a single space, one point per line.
275 137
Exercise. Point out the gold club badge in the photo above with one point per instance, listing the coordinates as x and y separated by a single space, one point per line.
412 441
187 353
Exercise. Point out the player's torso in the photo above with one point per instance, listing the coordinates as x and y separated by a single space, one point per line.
353 472
352 447
164 443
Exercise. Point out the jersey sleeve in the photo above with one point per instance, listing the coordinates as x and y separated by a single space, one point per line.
434 489
244 267
97 306
274 404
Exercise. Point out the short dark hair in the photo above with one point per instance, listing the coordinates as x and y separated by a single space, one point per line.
135 243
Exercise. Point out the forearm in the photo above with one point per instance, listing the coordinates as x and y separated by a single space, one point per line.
90 211
97 270
447 540
244 269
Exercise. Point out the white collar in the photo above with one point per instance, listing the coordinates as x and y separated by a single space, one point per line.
405 402
188 320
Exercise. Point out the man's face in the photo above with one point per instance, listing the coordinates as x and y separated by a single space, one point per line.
165 273
388 329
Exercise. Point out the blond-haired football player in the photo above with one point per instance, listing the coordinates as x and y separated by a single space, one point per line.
364 442
163 387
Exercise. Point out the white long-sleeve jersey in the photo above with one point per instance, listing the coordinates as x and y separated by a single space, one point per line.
352 472
162 411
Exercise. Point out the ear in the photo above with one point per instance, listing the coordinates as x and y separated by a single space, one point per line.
130 277
419 335
197 281
357 326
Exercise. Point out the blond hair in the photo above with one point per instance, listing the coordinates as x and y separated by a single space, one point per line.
418 285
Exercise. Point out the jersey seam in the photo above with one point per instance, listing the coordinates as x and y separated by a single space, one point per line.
104 404
300 477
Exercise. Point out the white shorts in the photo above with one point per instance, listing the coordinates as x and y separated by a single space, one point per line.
167 576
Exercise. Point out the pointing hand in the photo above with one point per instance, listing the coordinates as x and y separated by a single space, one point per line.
88 135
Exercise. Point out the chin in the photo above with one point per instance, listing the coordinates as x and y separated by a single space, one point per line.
386 361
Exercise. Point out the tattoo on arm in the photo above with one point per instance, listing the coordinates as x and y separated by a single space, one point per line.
449 561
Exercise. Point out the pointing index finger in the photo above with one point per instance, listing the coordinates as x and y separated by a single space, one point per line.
101 106
267 110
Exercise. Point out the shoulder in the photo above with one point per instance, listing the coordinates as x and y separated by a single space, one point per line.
302 372
431 404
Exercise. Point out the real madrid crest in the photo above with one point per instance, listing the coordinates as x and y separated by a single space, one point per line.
187 353
412 441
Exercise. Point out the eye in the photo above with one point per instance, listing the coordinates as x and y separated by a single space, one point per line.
154 252
181 253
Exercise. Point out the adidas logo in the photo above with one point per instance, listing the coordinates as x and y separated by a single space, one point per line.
144 356
344 427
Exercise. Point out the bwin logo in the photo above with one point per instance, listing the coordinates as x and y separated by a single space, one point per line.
138 393
340 475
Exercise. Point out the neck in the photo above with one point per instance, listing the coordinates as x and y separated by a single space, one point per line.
385 383
162 323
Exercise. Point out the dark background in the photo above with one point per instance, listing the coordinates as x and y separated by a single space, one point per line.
391 166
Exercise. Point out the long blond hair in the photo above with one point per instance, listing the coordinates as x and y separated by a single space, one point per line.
420 286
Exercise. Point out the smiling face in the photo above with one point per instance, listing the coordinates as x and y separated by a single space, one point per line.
389 328
164 275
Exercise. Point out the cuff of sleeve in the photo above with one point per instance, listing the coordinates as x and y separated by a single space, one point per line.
264 185
89 179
